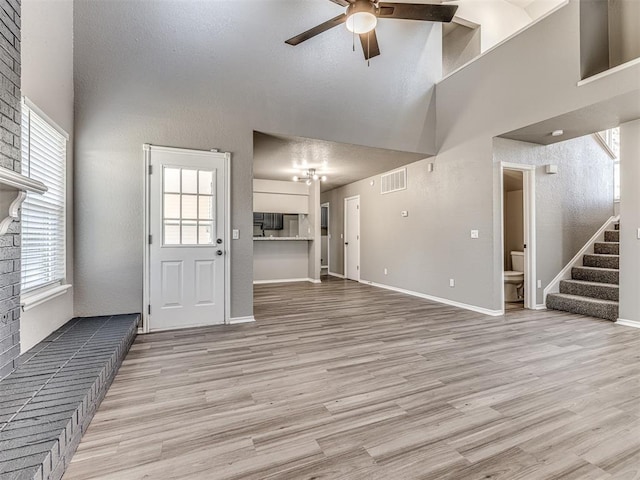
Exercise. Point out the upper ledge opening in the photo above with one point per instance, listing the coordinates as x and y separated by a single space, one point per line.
469 22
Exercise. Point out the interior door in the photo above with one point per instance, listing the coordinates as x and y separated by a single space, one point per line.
187 238
352 238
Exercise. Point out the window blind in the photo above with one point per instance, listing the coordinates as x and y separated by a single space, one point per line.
44 151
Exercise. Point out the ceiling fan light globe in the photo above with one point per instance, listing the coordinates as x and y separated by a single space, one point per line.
308 182
323 178
315 177
361 22
295 178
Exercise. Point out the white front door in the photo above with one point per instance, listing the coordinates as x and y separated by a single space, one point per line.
187 228
352 238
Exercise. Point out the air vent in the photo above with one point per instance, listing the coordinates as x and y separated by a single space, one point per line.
393 181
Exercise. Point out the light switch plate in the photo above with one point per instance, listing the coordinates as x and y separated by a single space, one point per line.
639 234
452 282
404 213
475 234
236 234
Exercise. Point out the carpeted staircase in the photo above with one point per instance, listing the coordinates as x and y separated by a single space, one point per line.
593 288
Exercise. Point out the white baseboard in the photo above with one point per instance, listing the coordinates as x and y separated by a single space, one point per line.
236 320
473 308
285 280
339 275
628 323
541 306
314 280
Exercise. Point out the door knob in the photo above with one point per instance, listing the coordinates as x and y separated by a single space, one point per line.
346 243
219 241
219 252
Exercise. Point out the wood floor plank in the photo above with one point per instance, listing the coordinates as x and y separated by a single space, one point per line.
342 380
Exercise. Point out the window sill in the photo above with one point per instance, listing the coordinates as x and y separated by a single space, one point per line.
33 299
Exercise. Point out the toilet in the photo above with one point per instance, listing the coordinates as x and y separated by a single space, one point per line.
514 279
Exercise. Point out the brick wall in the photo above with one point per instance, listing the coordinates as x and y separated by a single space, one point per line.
10 158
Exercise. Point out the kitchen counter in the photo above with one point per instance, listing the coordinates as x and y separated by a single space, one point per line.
283 239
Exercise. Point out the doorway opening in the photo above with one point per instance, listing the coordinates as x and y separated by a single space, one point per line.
518 236
325 237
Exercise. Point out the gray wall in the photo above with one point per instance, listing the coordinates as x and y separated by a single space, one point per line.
624 31
570 205
594 37
207 74
630 221
47 80
409 247
10 148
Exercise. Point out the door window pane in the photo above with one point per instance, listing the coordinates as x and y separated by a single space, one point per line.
171 205
172 232
206 182
205 210
189 181
190 207
172 180
189 233
205 230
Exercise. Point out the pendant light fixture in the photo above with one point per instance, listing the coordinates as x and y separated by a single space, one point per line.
308 176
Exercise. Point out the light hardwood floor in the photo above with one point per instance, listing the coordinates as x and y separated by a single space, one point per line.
347 381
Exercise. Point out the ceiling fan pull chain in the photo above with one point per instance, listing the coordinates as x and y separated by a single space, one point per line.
353 37
368 49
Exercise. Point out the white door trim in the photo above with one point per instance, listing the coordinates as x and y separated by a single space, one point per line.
328 205
529 200
144 328
354 197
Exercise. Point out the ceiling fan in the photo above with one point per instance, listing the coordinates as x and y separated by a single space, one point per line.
362 17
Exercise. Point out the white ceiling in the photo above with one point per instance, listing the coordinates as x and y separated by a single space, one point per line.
280 157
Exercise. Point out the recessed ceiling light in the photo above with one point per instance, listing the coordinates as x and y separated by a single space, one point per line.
557 133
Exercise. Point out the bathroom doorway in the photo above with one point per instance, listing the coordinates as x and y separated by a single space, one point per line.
518 236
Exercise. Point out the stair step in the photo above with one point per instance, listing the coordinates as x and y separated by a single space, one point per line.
607 248
594 274
583 305
601 261
602 291
612 236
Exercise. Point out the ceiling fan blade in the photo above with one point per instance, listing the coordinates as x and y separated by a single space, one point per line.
416 11
369 43
317 30
342 3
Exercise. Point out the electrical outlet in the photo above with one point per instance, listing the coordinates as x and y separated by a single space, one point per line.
539 283
452 282
475 234
385 271
236 234
404 213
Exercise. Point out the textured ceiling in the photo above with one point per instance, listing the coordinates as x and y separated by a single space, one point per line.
275 157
